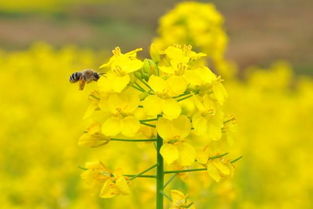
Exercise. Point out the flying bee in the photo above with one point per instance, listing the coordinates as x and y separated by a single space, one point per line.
84 76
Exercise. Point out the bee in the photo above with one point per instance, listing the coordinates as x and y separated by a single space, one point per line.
83 77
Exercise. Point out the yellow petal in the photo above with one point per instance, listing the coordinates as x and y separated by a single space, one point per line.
152 106
167 69
118 83
200 76
127 64
219 92
187 154
214 132
90 110
109 189
130 126
93 140
213 172
202 157
177 195
221 167
169 152
104 84
125 102
111 82
111 127
177 85
199 124
181 126
176 129
157 84
164 128
171 109
122 185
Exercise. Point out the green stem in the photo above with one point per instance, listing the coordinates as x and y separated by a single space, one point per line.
181 95
134 140
149 120
135 87
144 83
229 120
139 174
160 175
136 84
218 156
170 180
181 99
147 124
235 160
184 171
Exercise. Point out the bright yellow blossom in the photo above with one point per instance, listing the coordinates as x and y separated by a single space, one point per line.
180 200
217 167
174 133
174 130
181 151
175 102
121 118
95 173
117 71
117 185
113 184
93 137
163 101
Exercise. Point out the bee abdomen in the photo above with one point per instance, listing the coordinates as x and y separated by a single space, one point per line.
75 77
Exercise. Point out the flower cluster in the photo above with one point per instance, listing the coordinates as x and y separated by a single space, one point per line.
112 183
200 25
175 98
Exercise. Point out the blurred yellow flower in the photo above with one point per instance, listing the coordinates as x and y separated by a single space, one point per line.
93 137
180 200
113 184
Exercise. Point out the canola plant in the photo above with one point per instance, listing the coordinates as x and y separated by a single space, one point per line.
43 119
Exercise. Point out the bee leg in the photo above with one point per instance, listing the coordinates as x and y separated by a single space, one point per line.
81 84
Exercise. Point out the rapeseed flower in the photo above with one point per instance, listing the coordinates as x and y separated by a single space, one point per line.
180 200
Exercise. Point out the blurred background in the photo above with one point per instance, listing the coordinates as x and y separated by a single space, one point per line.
43 41
260 30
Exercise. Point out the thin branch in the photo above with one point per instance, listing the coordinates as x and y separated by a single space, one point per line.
147 124
235 160
83 168
218 156
184 171
165 195
135 87
184 94
144 82
140 176
148 169
229 120
134 140
170 180
149 120
181 99
136 84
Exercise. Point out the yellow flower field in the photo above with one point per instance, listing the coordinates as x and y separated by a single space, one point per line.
174 126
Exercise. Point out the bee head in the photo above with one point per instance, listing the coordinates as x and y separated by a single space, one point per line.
96 76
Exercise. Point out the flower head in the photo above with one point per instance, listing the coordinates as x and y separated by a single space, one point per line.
180 200
112 184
